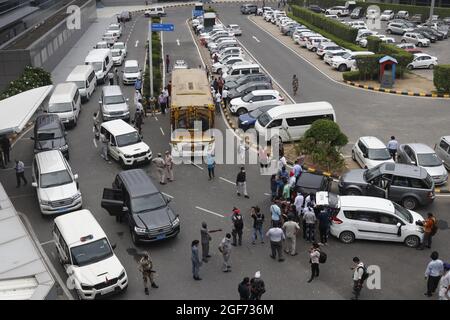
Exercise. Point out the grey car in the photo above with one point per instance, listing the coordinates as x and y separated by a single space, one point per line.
419 154
256 77
408 185
247 88
443 150
398 28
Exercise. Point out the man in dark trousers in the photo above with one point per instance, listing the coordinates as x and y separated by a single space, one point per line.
169 91
205 239
244 289
20 173
241 183
6 147
167 63
257 287
433 273
238 226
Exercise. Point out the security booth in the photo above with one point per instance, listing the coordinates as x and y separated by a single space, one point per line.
387 71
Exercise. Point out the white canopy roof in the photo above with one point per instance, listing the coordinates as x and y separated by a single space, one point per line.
17 110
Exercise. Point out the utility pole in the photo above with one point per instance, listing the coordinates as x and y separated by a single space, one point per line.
431 10
150 58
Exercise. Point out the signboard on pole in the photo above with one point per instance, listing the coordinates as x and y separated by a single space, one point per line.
197 13
163 27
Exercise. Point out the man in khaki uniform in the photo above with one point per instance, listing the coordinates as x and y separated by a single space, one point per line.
146 267
291 228
169 166
161 168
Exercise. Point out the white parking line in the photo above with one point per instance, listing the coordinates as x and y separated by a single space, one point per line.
195 42
267 194
167 195
162 131
209 211
437 195
226 180
178 42
47 242
256 39
196 165
156 118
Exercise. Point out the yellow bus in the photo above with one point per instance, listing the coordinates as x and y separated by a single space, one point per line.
192 114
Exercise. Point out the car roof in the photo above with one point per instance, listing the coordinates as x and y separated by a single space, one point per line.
310 180
446 138
47 120
405 170
131 63
112 90
299 107
77 224
253 83
421 55
50 161
118 127
93 54
264 92
372 142
137 182
62 91
79 72
420 148
373 203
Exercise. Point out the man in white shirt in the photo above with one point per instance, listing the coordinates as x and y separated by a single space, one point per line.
433 273
282 162
392 147
276 236
291 229
298 203
309 218
444 286
314 255
358 277
218 101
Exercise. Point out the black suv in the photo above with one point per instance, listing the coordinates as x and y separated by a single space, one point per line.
136 199
308 183
50 134
316 8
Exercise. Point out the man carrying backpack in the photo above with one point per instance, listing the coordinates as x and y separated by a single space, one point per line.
258 222
359 276
238 226
430 229
314 255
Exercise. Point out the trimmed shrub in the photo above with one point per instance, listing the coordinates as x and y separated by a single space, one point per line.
369 66
31 78
373 44
441 78
403 57
351 76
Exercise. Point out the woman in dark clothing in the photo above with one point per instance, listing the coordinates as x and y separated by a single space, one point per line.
273 185
244 289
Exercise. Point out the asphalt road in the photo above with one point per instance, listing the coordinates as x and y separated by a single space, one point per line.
402 268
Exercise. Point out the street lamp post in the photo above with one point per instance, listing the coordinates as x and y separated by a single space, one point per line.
431 10
150 58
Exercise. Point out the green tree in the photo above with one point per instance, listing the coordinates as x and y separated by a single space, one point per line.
323 142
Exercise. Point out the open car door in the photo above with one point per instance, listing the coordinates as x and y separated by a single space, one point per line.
112 201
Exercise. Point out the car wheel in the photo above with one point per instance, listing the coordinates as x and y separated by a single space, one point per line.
403 40
347 237
409 203
420 44
353 192
314 49
241 111
134 237
353 156
431 66
342 68
409 67
412 241
389 31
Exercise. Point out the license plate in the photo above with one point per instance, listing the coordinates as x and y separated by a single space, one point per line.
107 290
161 236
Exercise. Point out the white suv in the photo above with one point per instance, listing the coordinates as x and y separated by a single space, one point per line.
131 72
346 62
87 256
371 218
56 186
370 152
254 100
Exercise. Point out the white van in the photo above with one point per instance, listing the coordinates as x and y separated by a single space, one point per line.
289 122
131 72
87 256
56 186
65 101
84 78
101 60
124 143
241 68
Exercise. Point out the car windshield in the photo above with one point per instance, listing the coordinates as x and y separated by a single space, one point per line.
134 69
113 28
60 107
369 174
264 119
91 252
48 134
379 154
247 97
117 53
402 213
420 36
114 99
98 66
119 46
80 84
428 160
54 179
128 139
347 55
256 113
148 203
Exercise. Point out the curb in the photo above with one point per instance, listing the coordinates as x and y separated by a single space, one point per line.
399 92
439 190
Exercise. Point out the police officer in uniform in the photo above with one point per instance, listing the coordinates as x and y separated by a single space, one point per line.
146 267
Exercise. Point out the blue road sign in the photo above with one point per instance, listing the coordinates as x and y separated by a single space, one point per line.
197 13
163 27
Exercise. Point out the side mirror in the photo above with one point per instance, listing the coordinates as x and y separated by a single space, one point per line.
413 162
399 225
34 184
114 246
125 209
251 101
32 138
75 176
127 99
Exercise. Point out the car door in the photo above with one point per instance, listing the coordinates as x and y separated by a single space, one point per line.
275 126
398 187
443 151
359 154
378 187
387 227
364 223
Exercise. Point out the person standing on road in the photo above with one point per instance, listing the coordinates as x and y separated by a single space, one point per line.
258 287
160 167
169 92
146 268
324 218
111 77
298 203
116 76
295 84
138 84
392 147
169 166
444 285
238 226
225 249
220 84
359 270
244 289
310 223
20 173
6 147
206 238
211 162
137 97
258 222
429 228
314 255
162 103
276 236
263 159
433 273
297 169
241 183
167 63
152 104
196 263
138 119
291 229
104 140
275 212
273 186
225 98
218 101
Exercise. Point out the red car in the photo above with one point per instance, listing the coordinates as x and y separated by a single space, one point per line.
409 47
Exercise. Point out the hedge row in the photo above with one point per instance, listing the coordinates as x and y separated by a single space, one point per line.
331 26
31 78
424 10
156 63
441 78
373 44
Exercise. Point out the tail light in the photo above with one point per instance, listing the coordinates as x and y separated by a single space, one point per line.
336 220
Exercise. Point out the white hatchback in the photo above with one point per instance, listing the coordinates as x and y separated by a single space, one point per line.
370 152
422 61
371 218
254 100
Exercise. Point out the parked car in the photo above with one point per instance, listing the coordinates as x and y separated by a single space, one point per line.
146 210
118 56
247 120
402 14
235 29
310 183
113 104
398 28
382 37
249 8
340 11
248 87
409 47
326 47
370 218
408 185
419 154
116 28
101 45
369 152
131 72
345 62
254 100
50 134
387 15
443 150
315 8
257 77
110 39
416 38
357 13
120 46
155 12
427 34
440 33
313 43
416 18
422 60
328 57
229 61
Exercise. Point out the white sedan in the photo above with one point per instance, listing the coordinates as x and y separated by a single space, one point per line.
235 29
387 15
254 100
120 46
118 56
422 60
